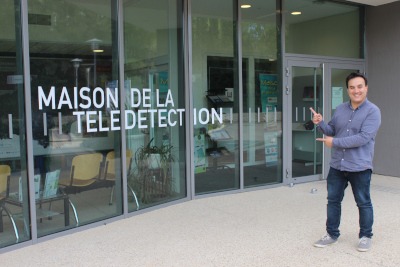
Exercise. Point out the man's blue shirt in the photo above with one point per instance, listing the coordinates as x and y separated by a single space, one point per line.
353 132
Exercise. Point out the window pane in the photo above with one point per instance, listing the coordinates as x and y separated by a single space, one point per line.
75 111
262 101
215 96
323 28
155 99
339 87
307 91
14 216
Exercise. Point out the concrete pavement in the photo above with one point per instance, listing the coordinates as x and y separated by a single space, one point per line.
269 227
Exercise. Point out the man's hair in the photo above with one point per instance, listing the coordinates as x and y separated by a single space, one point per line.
355 75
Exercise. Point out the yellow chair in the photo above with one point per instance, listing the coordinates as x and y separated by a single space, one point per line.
109 173
5 173
85 170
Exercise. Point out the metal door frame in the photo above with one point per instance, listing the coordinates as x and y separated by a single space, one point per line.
326 64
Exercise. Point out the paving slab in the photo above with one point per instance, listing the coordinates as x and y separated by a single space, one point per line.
268 227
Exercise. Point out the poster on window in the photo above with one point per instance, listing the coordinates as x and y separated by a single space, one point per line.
337 96
271 148
269 91
163 82
200 163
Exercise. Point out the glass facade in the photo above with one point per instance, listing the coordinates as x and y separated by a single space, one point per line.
215 89
75 111
135 104
14 202
154 102
262 95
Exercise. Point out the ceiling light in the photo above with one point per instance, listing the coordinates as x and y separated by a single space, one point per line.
245 6
295 13
98 50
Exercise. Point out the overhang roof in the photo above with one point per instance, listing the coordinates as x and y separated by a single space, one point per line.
373 2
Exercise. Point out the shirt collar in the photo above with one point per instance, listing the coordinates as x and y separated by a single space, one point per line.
360 106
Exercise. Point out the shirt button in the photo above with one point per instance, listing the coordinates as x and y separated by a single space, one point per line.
347 129
349 120
344 150
342 159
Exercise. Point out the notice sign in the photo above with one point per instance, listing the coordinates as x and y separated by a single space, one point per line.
337 96
15 79
271 148
163 82
269 91
200 163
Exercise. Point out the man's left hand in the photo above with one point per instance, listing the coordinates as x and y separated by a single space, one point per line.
328 140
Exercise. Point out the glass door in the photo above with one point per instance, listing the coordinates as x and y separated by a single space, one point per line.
306 91
320 85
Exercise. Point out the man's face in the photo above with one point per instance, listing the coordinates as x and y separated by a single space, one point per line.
357 91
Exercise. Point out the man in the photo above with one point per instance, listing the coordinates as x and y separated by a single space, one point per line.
351 135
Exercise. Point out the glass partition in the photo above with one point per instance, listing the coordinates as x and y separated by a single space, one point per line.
262 95
323 28
75 112
215 95
14 219
155 106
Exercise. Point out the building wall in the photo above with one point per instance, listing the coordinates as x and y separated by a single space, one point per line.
383 54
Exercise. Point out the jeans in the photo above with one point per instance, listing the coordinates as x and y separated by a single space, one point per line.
337 182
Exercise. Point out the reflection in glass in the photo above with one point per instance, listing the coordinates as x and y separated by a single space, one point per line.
306 93
339 87
14 219
154 101
324 28
262 101
215 96
75 112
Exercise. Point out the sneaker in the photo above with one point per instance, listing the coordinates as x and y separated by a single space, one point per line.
364 244
326 240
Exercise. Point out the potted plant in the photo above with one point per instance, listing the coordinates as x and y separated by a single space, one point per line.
151 176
